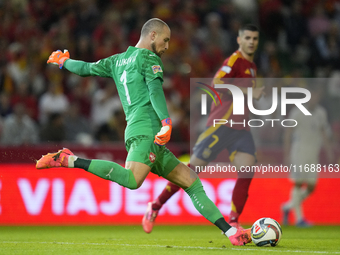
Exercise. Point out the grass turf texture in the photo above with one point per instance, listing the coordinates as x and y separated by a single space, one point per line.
163 240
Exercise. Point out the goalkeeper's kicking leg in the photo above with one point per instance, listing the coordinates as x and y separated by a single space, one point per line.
239 197
181 175
188 180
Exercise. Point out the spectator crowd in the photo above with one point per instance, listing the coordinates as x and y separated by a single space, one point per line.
40 103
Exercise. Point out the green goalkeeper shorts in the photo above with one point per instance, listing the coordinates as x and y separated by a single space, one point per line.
142 149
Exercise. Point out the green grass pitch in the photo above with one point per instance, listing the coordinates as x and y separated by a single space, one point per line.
163 240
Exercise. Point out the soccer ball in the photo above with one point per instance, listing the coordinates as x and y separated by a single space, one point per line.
266 232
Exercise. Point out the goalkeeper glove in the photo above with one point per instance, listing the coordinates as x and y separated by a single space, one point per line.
58 58
163 136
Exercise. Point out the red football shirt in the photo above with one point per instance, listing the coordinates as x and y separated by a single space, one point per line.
234 67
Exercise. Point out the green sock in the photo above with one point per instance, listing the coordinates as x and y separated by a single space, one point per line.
205 206
109 171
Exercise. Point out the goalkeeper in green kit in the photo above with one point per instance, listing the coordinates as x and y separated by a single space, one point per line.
138 74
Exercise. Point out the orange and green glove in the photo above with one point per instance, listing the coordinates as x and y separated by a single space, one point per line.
163 136
58 58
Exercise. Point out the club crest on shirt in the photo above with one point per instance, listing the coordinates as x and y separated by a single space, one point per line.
156 69
152 157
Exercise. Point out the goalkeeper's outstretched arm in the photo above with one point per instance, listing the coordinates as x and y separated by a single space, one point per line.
78 67
100 68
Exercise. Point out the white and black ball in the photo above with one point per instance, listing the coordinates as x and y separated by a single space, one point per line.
266 232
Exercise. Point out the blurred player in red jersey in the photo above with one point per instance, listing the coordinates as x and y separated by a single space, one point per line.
237 139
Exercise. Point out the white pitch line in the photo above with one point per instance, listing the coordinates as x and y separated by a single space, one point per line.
264 249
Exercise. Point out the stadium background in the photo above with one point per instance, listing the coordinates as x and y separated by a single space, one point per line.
298 39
